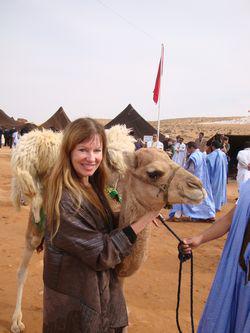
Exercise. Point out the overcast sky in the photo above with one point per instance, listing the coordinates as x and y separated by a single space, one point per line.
94 57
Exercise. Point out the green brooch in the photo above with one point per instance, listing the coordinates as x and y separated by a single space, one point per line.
113 193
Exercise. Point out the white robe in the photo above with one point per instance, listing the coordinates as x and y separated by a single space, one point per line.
15 137
179 156
155 144
243 173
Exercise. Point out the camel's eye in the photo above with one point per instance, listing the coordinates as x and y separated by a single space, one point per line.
154 175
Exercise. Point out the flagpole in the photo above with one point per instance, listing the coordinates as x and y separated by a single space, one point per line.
159 101
158 123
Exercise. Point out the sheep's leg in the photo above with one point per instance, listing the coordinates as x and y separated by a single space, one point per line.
17 324
33 240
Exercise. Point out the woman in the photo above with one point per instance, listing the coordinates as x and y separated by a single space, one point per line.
227 308
83 246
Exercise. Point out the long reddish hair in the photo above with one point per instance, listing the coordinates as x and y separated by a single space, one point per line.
64 177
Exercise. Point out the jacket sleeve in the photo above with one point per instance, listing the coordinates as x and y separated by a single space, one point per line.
79 237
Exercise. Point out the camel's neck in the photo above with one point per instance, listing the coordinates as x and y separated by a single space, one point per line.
132 207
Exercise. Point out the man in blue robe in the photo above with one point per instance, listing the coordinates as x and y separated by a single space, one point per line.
217 168
196 164
227 308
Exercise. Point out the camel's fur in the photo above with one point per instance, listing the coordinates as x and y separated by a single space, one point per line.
141 194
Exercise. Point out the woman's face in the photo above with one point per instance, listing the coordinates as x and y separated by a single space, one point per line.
87 156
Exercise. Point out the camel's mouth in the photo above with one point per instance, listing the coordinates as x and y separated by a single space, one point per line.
196 196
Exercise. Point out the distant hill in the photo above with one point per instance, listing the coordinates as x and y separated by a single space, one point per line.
190 127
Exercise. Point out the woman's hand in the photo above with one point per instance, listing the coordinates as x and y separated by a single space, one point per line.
144 221
149 217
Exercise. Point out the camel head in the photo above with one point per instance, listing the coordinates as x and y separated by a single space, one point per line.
155 180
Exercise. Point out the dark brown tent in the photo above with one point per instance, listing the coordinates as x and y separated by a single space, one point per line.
58 121
6 121
133 120
236 144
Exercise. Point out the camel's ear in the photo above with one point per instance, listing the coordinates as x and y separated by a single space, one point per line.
130 159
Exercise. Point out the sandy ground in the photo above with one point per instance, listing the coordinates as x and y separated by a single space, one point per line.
151 293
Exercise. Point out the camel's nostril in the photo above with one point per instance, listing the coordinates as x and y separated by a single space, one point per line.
193 185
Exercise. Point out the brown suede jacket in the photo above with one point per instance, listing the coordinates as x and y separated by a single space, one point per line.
79 273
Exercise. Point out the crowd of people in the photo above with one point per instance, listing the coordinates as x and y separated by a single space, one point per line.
209 161
9 137
206 160
228 305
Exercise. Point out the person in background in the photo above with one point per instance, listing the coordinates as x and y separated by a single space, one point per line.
155 143
217 169
225 148
179 156
6 134
15 137
139 144
205 211
243 166
227 308
11 131
169 147
177 139
201 142
83 244
165 142
217 137
225 144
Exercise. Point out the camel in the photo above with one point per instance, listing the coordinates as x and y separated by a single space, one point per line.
150 181
153 181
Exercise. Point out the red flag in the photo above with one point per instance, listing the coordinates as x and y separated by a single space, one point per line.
158 78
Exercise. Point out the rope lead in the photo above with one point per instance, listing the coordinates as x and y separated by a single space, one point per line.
182 257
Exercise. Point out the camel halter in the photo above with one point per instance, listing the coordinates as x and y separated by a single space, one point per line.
165 187
162 188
